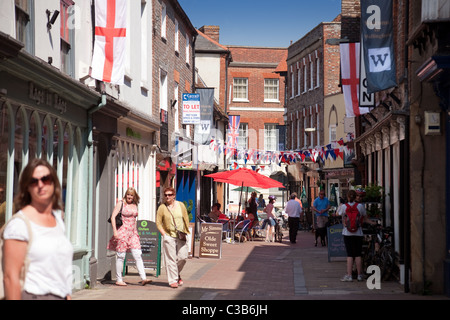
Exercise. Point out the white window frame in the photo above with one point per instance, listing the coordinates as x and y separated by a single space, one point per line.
236 92
332 132
270 137
177 38
318 73
299 80
163 21
298 133
163 101
292 85
188 51
267 86
311 71
242 141
305 78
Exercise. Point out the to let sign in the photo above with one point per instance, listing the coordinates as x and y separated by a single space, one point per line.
191 108
211 240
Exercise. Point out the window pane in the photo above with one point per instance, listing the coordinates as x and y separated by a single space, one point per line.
240 88
243 136
270 137
271 89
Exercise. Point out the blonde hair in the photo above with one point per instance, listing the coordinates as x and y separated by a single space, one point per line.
132 191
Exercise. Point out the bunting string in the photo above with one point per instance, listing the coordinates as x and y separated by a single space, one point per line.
332 151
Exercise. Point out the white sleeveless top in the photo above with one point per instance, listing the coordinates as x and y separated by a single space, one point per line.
50 256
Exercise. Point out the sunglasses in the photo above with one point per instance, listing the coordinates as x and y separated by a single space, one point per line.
45 180
169 195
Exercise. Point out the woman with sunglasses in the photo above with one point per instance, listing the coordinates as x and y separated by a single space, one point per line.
126 237
49 274
170 217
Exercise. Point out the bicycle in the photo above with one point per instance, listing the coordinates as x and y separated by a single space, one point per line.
378 250
278 232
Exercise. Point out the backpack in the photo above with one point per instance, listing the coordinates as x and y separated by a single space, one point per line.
352 218
26 264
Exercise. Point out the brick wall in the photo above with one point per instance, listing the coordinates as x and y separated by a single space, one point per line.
170 62
257 64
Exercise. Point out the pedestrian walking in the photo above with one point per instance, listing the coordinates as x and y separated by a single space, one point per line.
321 205
38 226
293 210
354 214
126 238
172 221
270 220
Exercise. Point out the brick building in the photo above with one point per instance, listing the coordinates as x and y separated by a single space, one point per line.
173 74
313 75
257 94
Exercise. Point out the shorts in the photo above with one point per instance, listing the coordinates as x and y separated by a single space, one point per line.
353 246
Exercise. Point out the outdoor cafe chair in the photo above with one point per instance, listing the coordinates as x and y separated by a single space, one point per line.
243 227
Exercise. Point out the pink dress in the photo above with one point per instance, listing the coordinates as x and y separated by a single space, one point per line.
128 237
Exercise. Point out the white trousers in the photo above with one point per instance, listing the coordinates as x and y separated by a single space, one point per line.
120 258
175 254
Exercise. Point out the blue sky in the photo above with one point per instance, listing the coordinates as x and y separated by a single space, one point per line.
268 23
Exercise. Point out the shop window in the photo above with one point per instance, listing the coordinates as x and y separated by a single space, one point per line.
33 137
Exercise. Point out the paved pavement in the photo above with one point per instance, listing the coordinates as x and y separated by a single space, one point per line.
256 270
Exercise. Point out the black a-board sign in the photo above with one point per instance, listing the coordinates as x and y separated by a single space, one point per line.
150 246
336 246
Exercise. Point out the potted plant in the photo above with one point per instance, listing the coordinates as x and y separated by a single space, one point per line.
374 193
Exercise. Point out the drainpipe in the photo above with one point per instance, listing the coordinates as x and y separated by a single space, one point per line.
90 144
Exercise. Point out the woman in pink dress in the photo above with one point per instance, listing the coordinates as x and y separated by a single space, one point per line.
126 237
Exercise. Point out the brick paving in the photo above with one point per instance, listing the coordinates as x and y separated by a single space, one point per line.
256 270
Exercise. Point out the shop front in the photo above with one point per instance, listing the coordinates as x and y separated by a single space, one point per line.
44 114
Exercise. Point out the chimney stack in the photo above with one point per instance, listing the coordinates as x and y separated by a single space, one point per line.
211 31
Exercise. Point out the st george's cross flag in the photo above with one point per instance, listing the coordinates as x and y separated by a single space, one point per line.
350 73
108 61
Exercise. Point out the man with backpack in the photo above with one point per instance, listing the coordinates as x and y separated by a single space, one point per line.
353 216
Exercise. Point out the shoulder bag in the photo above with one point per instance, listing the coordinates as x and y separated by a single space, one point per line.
181 235
118 218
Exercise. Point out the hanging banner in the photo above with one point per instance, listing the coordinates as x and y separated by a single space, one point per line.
378 44
366 99
202 132
350 73
108 61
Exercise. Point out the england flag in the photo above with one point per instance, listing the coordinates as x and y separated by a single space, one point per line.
108 61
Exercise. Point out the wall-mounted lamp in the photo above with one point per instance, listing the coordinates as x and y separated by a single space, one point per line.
51 21
310 130
173 103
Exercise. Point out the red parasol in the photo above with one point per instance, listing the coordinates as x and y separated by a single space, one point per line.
244 177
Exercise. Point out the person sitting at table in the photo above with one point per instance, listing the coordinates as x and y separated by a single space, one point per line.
215 212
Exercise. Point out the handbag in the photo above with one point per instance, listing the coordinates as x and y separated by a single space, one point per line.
118 218
181 235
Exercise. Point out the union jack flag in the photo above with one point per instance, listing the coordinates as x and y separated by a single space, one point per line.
233 132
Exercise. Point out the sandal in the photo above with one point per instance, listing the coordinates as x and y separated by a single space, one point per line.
146 281
121 284
180 281
174 285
